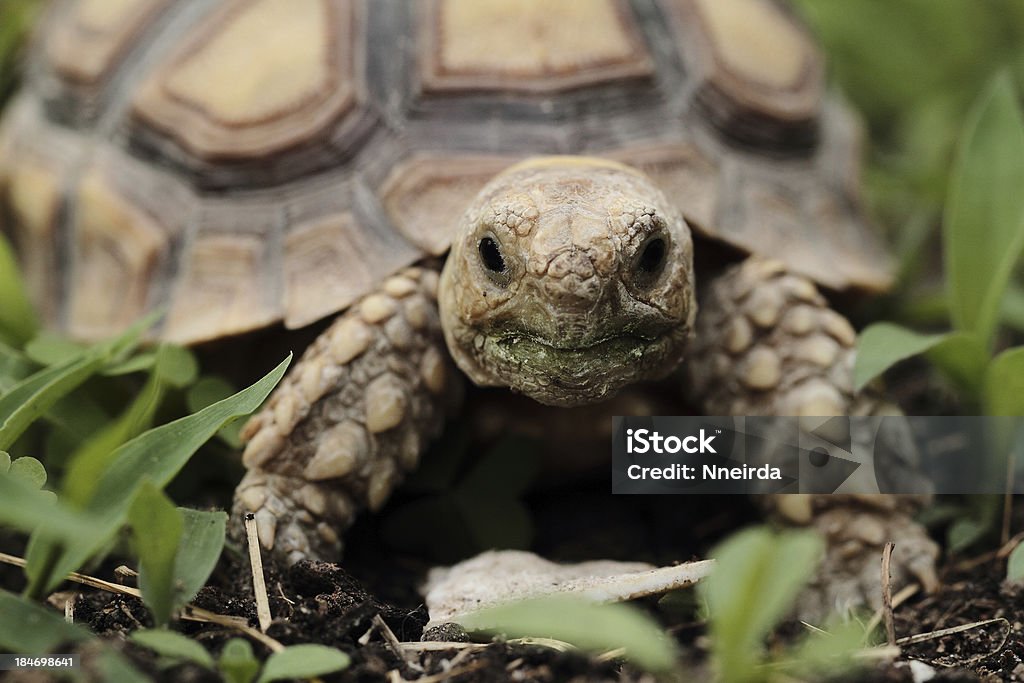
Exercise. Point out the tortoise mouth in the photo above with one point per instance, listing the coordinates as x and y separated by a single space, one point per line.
531 343
564 374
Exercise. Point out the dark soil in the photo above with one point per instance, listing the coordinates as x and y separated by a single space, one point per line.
325 603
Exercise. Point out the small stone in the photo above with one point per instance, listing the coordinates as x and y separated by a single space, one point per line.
739 335
377 308
341 449
350 338
399 286
432 370
762 369
385 403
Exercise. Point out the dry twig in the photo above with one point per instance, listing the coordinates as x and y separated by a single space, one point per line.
890 624
259 582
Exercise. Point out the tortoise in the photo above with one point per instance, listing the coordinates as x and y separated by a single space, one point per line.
595 169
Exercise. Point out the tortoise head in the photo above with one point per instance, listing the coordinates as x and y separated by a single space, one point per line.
569 278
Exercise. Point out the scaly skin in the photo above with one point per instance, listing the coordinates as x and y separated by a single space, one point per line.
576 313
569 278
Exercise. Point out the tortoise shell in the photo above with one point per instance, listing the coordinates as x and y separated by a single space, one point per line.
246 162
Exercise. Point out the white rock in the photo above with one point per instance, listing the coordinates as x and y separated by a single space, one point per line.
499 576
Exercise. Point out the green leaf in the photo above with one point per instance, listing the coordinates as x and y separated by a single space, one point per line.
29 399
978 521
1012 306
87 463
1015 564
176 366
303 661
33 396
49 349
590 626
882 345
30 471
757 577
140 362
25 509
209 390
173 645
237 663
156 528
962 358
30 629
202 540
14 367
161 452
825 655
5 462
984 220
1004 383
111 666
18 322
157 455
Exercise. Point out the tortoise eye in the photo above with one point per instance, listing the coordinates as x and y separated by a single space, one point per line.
490 255
650 261
652 256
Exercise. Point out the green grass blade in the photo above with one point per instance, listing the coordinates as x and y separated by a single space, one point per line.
158 455
202 541
92 458
303 661
237 663
18 322
30 629
173 645
32 397
29 399
984 219
757 577
587 625
1004 383
157 529
882 345
27 509
161 452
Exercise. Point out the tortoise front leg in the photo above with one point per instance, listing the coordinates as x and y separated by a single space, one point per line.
349 420
767 343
